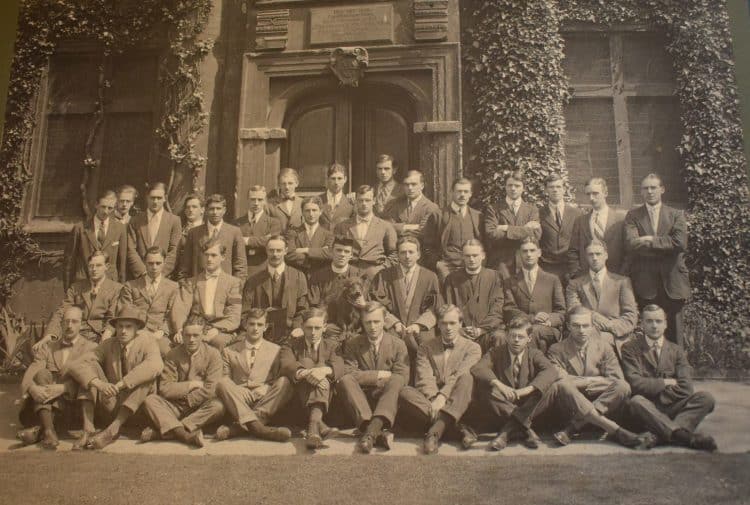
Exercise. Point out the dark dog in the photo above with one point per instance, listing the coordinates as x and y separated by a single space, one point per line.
343 308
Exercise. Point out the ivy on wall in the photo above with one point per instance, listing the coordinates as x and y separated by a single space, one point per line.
114 27
513 67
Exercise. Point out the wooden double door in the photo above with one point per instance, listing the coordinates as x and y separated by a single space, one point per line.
349 126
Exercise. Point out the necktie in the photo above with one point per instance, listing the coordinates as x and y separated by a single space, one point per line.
655 352
152 287
516 370
409 210
124 361
582 355
595 281
152 229
100 234
251 358
558 217
598 228
652 217
275 288
448 345
529 280
374 351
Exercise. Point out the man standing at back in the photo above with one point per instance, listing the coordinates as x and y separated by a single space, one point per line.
126 195
459 223
336 206
657 240
557 220
286 206
387 189
256 227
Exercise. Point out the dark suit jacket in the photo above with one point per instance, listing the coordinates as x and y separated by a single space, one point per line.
257 234
646 377
158 311
288 220
392 356
83 242
180 369
323 283
96 312
388 289
396 193
482 306
191 263
329 217
167 238
427 215
547 297
555 239
227 302
502 246
447 216
614 237
663 262
320 248
601 360
378 246
257 294
433 375
616 301
497 363
295 355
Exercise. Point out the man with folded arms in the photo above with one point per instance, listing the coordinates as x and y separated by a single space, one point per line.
443 381
458 224
312 364
310 244
123 371
186 401
253 388
377 368
659 374
593 367
47 388
517 383
256 227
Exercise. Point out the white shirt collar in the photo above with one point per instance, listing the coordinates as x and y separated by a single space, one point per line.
155 281
192 225
557 206
413 203
311 228
659 342
337 270
601 273
255 346
604 211
97 223
254 218
458 210
513 203
367 219
476 272
158 214
211 227
656 207
96 286
214 275
334 199
72 342
377 342
518 356
408 271
279 269
532 271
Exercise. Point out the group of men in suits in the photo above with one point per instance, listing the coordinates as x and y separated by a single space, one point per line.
255 294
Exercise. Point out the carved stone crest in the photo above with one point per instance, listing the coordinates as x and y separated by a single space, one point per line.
349 64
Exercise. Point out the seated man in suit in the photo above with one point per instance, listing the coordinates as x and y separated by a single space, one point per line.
516 383
459 223
506 223
235 258
253 388
286 205
310 244
387 188
443 383
538 294
557 219
155 297
478 292
97 298
157 227
123 371
414 215
608 295
603 224
592 366
337 207
313 366
47 389
375 237
327 280
256 227
126 196
377 365
187 399
214 295
411 295
101 233
280 289
664 401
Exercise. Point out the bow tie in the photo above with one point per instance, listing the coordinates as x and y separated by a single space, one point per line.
65 343
287 198
449 345
214 275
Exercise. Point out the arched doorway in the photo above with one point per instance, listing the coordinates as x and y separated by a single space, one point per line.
350 126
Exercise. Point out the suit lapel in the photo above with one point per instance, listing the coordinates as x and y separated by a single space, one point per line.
506 212
522 286
574 360
385 350
265 284
143 229
550 218
367 355
91 233
507 364
644 219
588 290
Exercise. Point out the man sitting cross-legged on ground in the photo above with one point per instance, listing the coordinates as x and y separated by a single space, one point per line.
443 381
253 388
517 383
123 371
377 369
592 365
47 389
660 376
186 401
312 364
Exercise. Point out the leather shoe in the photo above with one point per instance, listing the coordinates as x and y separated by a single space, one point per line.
148 434
702 442
195 439
386 439
327 432
225 432
532 440
272 434
83 441
648 440
366 443
468 437
562 438
50 441
102 439
500 442
29 436
430 443
313 441
627 438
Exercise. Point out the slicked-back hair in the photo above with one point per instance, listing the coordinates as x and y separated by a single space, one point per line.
312 199
288 171
106 194
597 242
579 310
207 243
373 306
415 172
337 167
257 188
127 188
156 185
364 188
529 240
652 307
553 177
216 198
255 313
344 240
96 253
384 158
473 242
447 308
462 180
155 250
599 181
408 239
653 175
314 312
517 175
196 196
195 320
520 322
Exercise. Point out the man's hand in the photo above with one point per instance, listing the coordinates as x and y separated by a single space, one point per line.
195 385
600 322
177 337
595 383
533 225
670 382
436 405
644 241
105 388
246 240
383 377
502 228
210 334
320 373
251 384
503 392
399 328
412 330
302 250
158 334
297 333
542 318
36 348
411 227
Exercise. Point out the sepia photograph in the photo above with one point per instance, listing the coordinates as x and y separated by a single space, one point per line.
374 251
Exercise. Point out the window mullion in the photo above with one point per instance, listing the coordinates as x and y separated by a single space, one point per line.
622 129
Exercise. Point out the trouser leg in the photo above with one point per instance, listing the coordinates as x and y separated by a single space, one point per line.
460 397
164 414
311 395
278 395
208 412
654 420
387 401
413 408
354 399
237 400
689 413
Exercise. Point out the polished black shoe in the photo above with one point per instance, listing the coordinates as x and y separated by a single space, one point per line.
532 440
562 438
366 443
272 434
702 442
431 442
500 442
327 431
628 439
468 437
29 436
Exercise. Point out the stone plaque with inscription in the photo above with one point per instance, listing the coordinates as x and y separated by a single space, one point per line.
360 23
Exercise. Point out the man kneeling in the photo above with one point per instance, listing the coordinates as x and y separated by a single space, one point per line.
517 383
253 388
186 401
312 364
443 381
